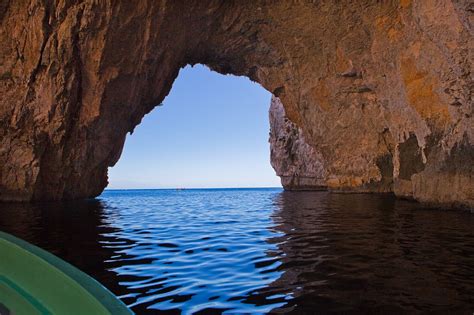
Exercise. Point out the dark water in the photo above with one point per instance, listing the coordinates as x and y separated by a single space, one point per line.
261 250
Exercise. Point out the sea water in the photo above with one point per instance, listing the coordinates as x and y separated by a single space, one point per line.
206 251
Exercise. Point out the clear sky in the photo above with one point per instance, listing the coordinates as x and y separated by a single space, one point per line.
212 131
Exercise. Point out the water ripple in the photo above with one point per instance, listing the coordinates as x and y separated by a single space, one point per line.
261 250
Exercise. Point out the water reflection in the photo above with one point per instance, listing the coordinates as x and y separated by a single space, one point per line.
358 253
207 248
260 250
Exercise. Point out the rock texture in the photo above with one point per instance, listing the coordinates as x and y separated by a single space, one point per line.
298 164
381 90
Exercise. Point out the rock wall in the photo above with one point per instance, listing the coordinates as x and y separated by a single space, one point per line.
381 90
298 164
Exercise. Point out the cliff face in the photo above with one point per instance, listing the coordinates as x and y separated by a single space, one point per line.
380 91
298 164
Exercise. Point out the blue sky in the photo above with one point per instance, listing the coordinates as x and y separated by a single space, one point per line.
212 131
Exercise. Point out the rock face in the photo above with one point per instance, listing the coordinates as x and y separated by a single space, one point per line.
381 91
298 164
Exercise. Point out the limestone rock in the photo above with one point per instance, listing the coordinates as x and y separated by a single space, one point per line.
381 90
298 164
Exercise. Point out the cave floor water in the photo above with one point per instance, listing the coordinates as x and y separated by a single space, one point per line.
260 250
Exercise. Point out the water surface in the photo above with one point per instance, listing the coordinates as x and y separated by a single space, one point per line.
260 250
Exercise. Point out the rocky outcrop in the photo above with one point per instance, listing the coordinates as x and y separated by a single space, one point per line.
298 164
381 90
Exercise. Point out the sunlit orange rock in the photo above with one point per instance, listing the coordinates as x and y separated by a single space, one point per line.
381 91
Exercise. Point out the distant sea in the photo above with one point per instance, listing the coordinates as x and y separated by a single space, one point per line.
207 251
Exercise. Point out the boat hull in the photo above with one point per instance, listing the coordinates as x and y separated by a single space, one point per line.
33 281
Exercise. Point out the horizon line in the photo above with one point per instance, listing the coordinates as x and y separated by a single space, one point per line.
192 188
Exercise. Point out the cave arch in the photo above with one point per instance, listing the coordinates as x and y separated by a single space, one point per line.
358 80
210 132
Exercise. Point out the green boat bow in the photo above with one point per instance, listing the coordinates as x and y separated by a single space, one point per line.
33 281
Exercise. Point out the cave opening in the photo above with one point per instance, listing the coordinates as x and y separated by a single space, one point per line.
211 131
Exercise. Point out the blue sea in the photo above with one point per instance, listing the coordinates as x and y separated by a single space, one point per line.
241 251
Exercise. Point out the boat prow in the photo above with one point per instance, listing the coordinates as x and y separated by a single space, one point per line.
33 281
